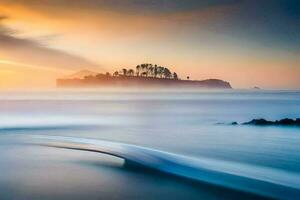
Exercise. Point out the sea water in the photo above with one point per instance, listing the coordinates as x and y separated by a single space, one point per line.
195 125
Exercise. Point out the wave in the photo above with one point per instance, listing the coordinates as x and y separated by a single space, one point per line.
42 122
40 127
259 180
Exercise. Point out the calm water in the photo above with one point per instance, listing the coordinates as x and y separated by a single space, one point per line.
190 125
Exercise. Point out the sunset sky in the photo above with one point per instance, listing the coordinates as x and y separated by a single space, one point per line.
246 42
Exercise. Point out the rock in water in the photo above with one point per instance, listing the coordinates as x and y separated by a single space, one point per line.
260 122
286 122
282 122
298 121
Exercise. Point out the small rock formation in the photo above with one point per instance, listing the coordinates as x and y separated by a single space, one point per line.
282 122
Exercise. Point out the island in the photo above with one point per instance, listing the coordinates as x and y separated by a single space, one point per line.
145 75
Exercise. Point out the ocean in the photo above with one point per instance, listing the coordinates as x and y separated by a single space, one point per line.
109 144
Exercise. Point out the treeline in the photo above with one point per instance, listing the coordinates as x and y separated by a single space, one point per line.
143 70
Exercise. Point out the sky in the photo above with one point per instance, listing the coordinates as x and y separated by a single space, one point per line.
246 42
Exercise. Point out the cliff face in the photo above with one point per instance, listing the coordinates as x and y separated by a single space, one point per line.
127 81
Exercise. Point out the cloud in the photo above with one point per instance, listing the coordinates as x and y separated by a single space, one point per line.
271 22
33 52
125 6
118 22
81 10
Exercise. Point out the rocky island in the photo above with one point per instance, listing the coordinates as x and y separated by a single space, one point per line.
145 75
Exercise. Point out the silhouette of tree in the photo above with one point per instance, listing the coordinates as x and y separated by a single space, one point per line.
130 72
146 70
124 72
159 71
138 69
151 70
167 73
143 68
144 74
175 76
155 71
116 73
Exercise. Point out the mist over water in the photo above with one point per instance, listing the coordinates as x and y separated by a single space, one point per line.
194 124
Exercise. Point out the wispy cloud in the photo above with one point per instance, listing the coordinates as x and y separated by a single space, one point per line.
140 7
34 67
32 52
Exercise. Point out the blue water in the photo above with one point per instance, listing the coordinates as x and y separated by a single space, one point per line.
210 159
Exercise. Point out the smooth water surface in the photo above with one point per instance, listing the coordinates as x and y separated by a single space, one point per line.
193 124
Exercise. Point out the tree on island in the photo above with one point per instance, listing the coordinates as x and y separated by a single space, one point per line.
151 70
116 73
167 73
130 72
175 76
142 70
155 71
124 72
138 68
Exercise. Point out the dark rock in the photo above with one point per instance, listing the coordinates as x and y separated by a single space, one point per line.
282 122
259 122
234 123
286 121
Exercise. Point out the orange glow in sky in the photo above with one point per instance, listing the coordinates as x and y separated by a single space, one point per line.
41 42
